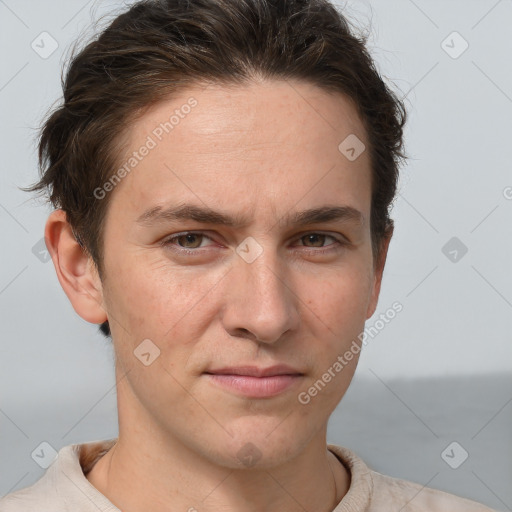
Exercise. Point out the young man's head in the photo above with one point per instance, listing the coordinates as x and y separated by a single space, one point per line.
223 171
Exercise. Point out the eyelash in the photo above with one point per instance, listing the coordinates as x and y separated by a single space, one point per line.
339 243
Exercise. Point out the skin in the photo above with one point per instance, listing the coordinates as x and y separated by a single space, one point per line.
262 150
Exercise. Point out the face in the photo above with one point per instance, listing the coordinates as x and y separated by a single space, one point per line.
258 290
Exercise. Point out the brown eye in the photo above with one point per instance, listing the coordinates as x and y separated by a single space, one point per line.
189 243
189 239
315 239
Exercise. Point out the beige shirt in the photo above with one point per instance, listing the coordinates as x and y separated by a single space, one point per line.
64 488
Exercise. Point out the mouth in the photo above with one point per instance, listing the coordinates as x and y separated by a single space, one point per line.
254 382
254 371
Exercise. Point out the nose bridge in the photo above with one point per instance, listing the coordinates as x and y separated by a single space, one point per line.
262 302
265 273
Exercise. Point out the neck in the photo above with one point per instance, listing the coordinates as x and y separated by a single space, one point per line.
137 476
154 468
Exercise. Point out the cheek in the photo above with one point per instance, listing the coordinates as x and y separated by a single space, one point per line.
340 299
165 301
336 313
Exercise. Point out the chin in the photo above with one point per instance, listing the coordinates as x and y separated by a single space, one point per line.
261 444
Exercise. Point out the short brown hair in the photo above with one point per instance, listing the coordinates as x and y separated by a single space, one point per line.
158 47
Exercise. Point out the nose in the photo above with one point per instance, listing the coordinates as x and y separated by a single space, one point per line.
261 302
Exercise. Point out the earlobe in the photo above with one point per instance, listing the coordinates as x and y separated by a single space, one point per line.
75 269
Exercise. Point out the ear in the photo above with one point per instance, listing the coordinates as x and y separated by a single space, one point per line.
75 269
378 271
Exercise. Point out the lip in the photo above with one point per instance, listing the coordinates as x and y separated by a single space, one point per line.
255 387
254 382
254 371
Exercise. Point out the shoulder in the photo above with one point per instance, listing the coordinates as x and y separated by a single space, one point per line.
418 498
63 487
41 496
373 492
24 500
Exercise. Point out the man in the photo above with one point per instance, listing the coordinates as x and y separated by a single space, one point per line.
222 172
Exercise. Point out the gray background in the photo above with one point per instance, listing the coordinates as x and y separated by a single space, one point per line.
439 372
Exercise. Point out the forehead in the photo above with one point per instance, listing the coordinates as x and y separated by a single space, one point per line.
225 113
267 140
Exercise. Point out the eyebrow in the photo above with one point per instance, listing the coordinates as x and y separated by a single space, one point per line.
205 215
